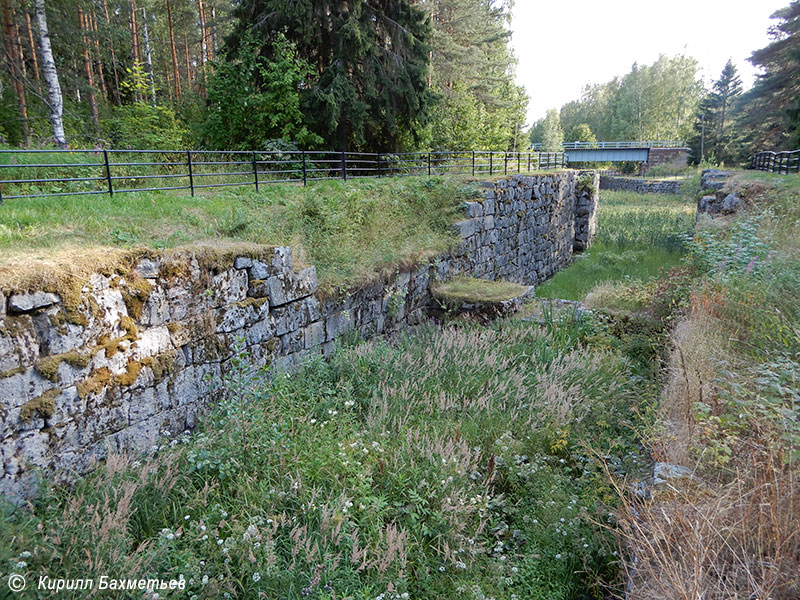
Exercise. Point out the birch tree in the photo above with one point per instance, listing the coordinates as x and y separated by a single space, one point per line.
55 102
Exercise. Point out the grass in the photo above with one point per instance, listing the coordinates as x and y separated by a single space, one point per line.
730 412
350 231
470 289
637 237
458 463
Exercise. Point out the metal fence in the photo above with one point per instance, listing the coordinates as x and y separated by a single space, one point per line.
776 162
617 145
37 173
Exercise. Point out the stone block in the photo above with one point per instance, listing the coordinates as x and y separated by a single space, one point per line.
20 303
155 310
314 334
292 342
3 303
147 268
242 262
473 209
336 324
466 228
288 287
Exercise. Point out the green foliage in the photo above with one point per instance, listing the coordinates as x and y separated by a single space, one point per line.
651 102
140 126
769 117
715 132
582 132
552 134
252 100
370 64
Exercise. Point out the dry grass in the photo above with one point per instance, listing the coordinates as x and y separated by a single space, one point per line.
469 289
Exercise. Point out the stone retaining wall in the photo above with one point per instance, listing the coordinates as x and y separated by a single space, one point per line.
641 186
118 361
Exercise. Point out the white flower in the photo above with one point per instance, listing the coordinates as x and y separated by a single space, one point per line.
186 517
25 554
256 577
558 557
441 569
21 564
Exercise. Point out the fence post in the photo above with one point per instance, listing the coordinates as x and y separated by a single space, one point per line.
529 162
505 163
379 166
429 164
255 169
473 163
490 163
191 176
304 169
344 166
519 162
108 174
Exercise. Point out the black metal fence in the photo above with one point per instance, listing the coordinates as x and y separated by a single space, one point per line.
776 162
37 173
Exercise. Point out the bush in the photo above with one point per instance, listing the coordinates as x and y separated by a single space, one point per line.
140 126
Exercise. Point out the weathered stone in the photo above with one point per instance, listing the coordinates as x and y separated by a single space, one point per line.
466 228
731 203
473 209
665 472
20 303
3 302
314 334
242 262
147 268
288 287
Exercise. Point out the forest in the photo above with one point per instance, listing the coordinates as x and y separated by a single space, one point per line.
379 75
369 75
667 100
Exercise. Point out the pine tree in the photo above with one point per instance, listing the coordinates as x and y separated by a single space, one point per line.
769 108
714 133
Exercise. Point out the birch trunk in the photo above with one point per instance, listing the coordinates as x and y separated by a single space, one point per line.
87 67
148 58
55 103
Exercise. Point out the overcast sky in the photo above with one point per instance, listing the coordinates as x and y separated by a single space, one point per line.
562 45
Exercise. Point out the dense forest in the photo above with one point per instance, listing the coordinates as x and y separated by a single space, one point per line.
380 75
668 101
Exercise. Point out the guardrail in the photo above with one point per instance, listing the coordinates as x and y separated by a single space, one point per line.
103 171
777 162
616 145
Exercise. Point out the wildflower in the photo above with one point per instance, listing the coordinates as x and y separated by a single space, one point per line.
460 565
256 577
441 569
558 557
186 517
25 554
21 564
204 581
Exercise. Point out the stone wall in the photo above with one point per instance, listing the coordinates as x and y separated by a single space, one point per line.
671 157
641 186
122 359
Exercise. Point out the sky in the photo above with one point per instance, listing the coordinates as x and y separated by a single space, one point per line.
562 45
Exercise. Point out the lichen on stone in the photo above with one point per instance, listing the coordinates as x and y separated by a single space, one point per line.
47 366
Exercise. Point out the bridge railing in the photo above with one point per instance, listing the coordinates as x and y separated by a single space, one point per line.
38 173
777 162
617 145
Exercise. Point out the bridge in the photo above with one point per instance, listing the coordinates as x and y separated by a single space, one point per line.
648 152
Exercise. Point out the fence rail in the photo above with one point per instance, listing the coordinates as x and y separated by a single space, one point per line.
39 173
616 145
776 162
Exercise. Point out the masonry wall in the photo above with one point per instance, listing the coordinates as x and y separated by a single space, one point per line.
641 186
124 359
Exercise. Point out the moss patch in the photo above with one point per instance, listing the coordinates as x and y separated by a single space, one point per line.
162 365
135 294
12 372
47 367
44 406
130 375
112 345
97 381
471 289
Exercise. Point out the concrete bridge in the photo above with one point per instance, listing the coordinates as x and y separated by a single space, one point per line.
650 153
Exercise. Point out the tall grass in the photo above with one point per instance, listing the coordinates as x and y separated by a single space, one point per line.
638 236
453 464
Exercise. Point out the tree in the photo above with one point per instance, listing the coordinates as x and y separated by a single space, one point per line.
769 109
714 134
370 60
552 134
472 73
55 101
581 133
252 100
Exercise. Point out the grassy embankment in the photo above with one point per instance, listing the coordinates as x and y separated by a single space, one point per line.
349 231
730 411
637 236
